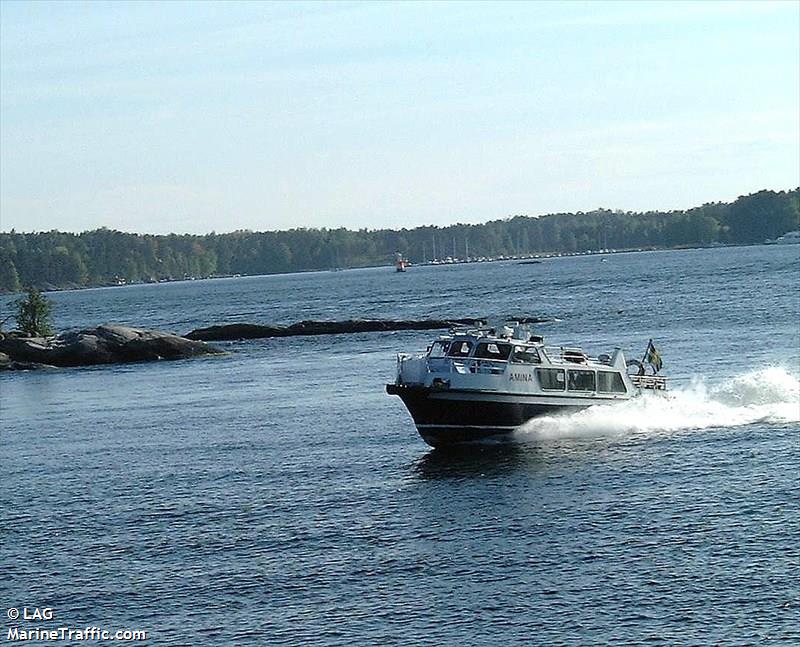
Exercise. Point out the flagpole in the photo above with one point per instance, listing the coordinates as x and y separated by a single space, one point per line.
646 350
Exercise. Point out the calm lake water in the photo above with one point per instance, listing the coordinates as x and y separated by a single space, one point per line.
277 495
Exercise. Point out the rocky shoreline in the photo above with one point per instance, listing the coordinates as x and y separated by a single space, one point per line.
230 332
113 343
106 344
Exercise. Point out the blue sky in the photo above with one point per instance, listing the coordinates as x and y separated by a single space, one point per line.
193 117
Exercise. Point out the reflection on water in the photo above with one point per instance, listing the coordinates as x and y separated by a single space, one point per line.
517 454
477 460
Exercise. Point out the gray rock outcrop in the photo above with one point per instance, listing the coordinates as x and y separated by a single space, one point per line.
256 331
106 344
230 332
8 364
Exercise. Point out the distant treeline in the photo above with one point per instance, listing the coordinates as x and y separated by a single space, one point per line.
59 260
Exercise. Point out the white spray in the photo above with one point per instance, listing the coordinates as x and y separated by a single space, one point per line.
770 395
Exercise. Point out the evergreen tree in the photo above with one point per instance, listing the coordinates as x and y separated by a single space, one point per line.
33 314
102 256
9 278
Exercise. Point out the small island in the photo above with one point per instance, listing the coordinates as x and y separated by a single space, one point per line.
35 346
105 344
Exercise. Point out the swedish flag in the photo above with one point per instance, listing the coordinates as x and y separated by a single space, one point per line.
653 357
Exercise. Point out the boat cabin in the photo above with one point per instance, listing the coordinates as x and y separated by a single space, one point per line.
514 361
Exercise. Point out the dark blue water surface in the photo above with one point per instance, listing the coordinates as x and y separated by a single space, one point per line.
277 496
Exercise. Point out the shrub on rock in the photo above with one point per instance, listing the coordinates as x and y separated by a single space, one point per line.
33 314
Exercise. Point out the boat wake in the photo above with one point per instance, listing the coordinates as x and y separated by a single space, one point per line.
770 395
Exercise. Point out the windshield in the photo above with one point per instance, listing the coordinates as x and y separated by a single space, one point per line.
492 350
460 348
439 349
526 355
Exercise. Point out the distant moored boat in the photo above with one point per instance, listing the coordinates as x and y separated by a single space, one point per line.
789 238
400 263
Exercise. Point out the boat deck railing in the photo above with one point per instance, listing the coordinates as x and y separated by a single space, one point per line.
651 382
468 365
564 356
488 365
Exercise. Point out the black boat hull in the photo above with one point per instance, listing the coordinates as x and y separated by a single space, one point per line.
446 417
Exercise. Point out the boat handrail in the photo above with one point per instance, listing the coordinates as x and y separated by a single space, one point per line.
480 331
478 365
567 356
504 333
552 358
651 382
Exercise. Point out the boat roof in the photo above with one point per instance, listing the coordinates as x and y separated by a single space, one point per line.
521 335
508 333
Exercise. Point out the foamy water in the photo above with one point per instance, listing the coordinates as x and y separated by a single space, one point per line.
767 395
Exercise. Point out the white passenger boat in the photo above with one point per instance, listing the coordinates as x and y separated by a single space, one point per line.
474 384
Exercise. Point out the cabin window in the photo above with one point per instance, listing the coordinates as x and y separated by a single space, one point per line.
608 382
439 349
526 355
551 379
581 381
459 348
491 350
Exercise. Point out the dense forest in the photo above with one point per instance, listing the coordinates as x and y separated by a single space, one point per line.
55 259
